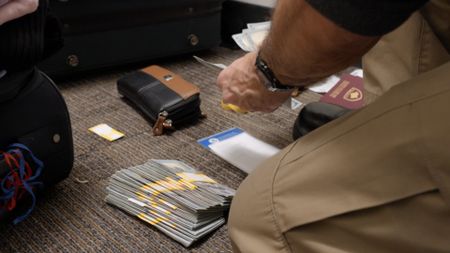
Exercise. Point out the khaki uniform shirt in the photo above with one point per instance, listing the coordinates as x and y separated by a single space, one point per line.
377 180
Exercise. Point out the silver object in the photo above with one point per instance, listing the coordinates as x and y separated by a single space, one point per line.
217 66
193 39
56 138
72 60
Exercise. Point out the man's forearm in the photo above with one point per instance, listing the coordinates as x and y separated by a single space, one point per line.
303 46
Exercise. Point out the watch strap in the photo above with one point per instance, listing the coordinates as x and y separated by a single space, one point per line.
273 81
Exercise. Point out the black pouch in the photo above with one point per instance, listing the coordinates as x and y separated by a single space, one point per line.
168 100
315 115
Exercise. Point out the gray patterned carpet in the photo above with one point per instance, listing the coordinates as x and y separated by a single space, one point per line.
73 217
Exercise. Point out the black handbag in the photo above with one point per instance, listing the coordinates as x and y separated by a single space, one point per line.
164 97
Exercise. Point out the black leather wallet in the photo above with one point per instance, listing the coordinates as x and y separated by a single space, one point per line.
315 115
167 99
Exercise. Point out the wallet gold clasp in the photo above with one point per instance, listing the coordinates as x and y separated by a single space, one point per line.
162 123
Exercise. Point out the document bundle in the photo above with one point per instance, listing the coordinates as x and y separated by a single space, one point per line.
180 201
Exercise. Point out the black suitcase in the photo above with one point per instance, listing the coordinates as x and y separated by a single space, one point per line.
107 33
38 119
36 149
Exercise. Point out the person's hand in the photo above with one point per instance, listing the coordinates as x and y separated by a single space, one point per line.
13 9
242 86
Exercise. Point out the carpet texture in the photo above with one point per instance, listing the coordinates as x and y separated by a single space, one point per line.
73 217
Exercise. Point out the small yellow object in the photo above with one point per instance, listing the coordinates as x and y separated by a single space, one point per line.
195 177
107 132
231 107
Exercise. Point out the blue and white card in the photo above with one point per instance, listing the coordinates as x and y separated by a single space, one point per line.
205 142
239 148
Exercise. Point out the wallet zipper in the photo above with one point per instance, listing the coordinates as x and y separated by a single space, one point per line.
162 123
182 111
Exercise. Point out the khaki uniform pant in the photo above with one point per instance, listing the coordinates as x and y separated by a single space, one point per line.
377 180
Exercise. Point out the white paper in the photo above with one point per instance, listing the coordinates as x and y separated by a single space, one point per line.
139 203
218 66
242 42
255 37
244 151
259 26
328 83
325 85
357 72
295 104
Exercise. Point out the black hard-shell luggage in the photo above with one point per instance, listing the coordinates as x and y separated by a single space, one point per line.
107 33
36 149
38 119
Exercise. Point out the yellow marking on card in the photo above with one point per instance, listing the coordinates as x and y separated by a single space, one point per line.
157 187
195 177
142 195
166 221
106 132
159 216
147 188
189 185
174 184
154 205
170 185
167 204
148 219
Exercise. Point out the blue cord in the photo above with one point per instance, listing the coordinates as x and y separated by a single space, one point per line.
8 193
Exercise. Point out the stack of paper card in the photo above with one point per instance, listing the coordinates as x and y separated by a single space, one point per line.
252 37
180 201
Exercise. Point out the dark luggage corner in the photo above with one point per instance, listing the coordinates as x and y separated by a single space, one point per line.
106 33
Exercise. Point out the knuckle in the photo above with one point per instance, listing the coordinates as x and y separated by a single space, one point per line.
231 100
34 5
227 99
221 80
31 5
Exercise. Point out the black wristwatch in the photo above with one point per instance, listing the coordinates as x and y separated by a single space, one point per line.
272 83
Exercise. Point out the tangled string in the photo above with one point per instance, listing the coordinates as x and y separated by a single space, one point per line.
21 179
